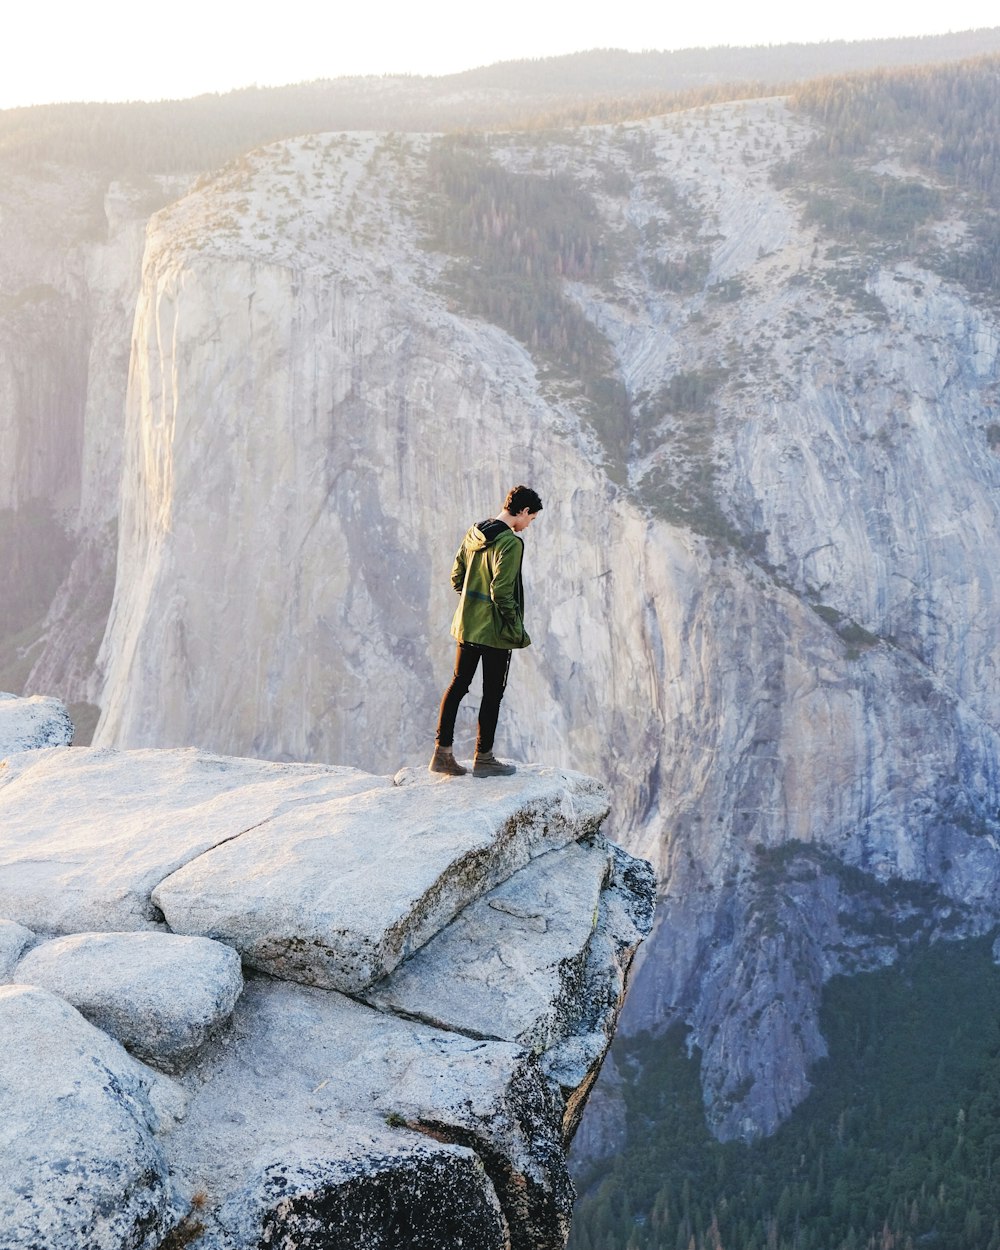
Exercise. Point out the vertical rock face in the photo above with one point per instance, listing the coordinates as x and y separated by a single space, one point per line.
43 344
300 488
71 248
884 512
788 674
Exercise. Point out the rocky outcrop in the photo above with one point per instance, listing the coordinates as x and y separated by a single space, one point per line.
541 960
26 724
71 867
328 1071
294 1111
339 894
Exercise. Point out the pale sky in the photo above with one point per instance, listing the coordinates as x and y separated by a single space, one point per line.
58 50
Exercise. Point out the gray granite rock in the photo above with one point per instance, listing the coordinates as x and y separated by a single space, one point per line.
325 1070
14 941
81 1127
625 918
86 834
541 960
508 964
370 1189
161 995
313 1118
336 895
29 723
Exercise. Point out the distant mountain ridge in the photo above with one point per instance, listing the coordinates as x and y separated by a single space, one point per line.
685 68
603 85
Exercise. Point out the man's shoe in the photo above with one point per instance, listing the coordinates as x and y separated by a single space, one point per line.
443 761
489 766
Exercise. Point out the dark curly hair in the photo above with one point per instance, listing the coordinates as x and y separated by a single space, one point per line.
522 497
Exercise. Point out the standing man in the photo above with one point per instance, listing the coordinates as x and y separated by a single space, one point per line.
488 625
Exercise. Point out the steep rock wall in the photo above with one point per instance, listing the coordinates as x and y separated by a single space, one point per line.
71 246
310 428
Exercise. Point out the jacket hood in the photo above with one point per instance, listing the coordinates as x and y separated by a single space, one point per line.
485 534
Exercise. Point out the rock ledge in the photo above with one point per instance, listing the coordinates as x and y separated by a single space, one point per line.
433 972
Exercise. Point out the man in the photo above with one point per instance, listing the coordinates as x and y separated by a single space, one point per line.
488 625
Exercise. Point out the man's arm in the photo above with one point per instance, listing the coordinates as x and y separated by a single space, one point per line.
506 567
458 570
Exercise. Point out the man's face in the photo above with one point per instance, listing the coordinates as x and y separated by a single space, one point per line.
522 520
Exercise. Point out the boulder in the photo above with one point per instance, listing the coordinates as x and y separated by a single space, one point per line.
370 1189
37 721
159 994
508 966
14 941
86 834
327 1070
541 960
80 1134
337 894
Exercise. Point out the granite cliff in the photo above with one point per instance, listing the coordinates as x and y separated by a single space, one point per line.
762 590
246 1002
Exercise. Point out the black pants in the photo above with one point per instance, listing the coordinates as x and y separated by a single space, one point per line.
496 663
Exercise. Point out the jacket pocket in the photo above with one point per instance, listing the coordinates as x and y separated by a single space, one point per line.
513 636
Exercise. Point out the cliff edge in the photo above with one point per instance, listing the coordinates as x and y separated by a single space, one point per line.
247 1004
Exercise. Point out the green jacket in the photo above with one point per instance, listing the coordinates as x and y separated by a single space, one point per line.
487 575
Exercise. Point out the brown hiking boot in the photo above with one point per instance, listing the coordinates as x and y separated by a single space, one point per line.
488 765
443 761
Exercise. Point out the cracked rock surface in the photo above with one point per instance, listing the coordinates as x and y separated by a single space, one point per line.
81 1133
490 928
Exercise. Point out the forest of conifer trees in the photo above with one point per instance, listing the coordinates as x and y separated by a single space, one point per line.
897 1147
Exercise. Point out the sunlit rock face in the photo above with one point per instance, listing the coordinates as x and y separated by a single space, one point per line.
346 413
311 425
71 247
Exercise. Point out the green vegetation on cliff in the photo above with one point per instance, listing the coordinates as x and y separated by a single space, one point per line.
517 239
899 151
896 1148
945 115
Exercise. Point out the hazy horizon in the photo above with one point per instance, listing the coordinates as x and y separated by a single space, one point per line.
71 58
